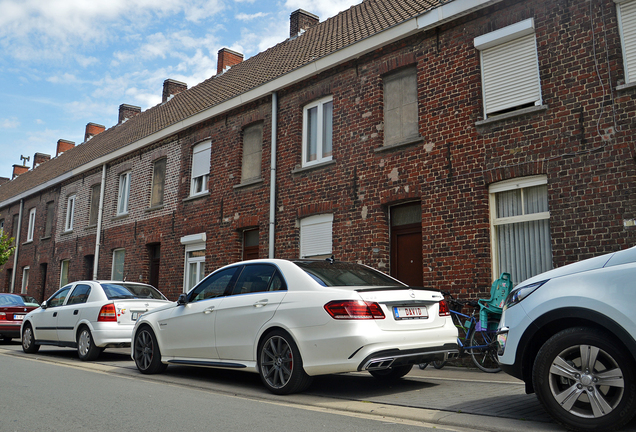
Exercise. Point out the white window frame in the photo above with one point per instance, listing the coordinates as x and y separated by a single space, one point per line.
25 279
504 186
626 13
509 68
316 236
64 267
70 213
123 194
193 243
320 157
31 228
201 154
123 263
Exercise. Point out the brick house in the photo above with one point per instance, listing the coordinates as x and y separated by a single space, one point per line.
442 142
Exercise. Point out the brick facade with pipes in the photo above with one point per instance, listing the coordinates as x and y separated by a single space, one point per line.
581 141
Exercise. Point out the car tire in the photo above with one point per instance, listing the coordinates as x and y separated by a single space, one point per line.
392 373
146 352
28 340
280 364
582 397
86 349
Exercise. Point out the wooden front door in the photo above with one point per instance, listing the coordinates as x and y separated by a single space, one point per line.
406 244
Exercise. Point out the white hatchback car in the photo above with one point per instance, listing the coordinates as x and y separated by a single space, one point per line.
291 320
570 334
89 316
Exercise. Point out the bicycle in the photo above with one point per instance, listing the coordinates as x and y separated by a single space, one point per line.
472 339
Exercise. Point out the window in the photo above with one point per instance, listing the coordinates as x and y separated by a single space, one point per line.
520 220
64 272
158 182
14 227
124 193
400 107
50 213
58 298
258 278
25 279
200 168
93 215
252 153
70 213
627 24
214 286
250 244
118 264
315 236
509 68
195 267
31 225
317 131
79 294
1 226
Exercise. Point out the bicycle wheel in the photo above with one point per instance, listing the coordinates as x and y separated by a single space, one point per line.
485 358
438 364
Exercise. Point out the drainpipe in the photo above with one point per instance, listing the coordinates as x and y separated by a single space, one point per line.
98 236
17 247
272 178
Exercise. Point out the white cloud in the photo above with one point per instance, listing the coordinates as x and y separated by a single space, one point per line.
65 78
9 123
250 17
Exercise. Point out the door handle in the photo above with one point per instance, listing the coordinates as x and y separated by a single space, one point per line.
54 314
261 303
209 310
75 312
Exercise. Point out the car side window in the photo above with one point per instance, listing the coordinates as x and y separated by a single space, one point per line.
58 298
79 294
213 286
258 278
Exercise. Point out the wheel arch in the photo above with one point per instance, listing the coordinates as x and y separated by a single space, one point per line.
266 332
552 322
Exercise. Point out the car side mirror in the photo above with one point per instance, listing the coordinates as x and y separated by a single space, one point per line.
183 299
44 305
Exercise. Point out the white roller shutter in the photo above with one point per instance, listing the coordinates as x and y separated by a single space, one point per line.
510 74
316 235
201 160
627 11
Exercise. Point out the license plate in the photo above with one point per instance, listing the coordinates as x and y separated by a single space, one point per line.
18 317
410 312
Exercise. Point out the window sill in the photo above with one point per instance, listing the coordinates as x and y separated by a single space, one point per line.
45 238
120 216
510 115
155 208
67 232
197 196
298 169
249 183
27 242
626 86
399 145
91 226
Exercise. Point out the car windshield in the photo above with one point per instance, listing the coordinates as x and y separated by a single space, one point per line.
30 301
334 274
131 291
11 300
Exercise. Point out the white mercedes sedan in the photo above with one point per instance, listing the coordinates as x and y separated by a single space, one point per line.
292 320
89 316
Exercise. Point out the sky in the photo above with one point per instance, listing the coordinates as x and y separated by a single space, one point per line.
67 63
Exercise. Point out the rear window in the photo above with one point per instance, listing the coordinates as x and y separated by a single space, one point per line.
11 300
334 274
131 291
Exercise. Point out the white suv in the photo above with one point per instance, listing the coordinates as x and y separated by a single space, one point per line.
570 334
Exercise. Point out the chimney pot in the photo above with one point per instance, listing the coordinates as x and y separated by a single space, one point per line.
172 87
19 169
226 59
301 20
63 145
93 129
40 158
127 112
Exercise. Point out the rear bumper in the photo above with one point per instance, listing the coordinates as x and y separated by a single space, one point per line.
10 330
393 358
112 335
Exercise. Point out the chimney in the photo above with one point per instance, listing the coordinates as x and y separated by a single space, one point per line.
171 88
127 111
63 145
40 158
93 129
19 169
226 59
301 20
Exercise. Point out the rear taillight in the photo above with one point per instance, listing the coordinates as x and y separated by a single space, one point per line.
354 310
107 313
3 316
443 308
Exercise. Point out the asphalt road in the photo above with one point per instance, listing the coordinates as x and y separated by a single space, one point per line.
453 397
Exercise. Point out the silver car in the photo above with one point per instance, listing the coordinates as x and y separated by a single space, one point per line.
89 316
570 334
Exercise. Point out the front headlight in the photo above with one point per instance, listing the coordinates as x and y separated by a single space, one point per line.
520 293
